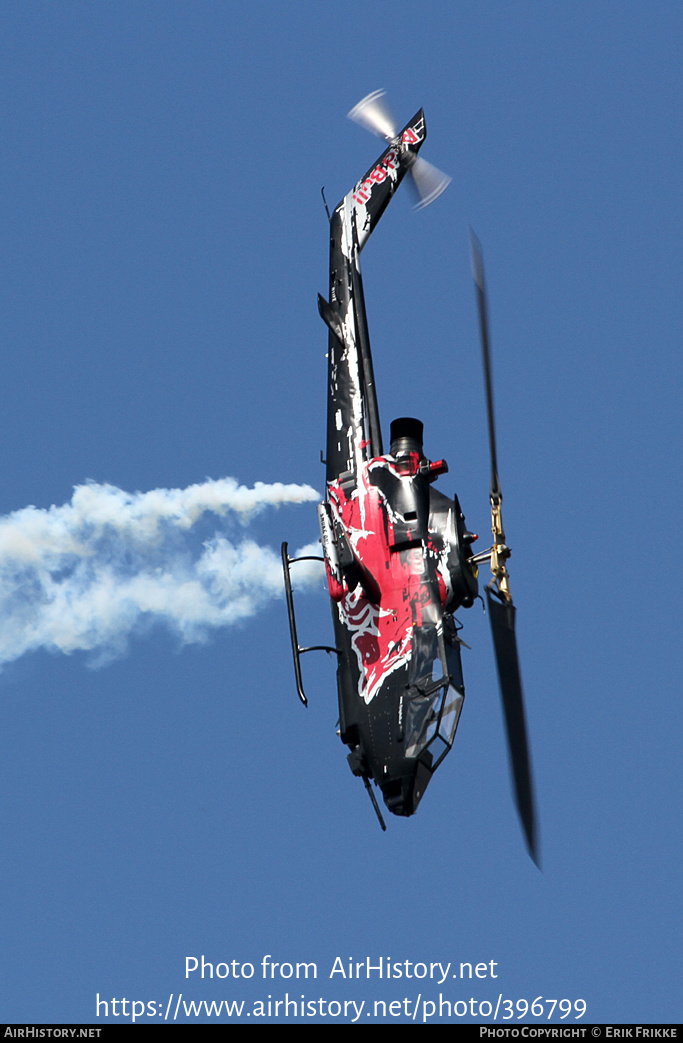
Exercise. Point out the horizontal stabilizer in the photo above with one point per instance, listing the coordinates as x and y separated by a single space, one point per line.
330 318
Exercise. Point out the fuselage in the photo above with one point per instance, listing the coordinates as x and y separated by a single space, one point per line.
397 550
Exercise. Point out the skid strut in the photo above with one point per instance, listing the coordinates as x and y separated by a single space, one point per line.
297 650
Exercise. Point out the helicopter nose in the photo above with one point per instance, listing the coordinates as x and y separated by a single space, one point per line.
403 795
397 800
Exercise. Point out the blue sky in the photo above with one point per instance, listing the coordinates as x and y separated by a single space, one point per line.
164 242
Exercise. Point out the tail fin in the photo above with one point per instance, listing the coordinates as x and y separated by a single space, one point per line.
370 197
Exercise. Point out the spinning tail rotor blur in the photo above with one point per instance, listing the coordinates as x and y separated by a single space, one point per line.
373 114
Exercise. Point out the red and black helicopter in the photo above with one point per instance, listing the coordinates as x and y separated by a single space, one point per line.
397 551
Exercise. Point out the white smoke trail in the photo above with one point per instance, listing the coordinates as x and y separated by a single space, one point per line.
85 575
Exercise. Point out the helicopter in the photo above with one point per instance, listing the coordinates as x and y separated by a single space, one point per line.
398 555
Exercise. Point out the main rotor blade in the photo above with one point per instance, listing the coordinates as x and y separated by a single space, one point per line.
478 273
429 182
502 616
374 114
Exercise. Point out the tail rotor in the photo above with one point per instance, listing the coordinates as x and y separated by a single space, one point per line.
373 113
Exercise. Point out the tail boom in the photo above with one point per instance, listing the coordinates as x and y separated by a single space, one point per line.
353 428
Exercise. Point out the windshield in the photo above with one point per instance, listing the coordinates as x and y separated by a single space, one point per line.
435 692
